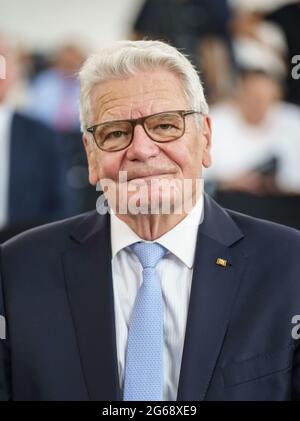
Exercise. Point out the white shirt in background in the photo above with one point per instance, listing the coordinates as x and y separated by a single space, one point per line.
175 271
5 124
238 147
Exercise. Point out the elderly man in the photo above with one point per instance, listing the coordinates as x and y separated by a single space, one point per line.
154 300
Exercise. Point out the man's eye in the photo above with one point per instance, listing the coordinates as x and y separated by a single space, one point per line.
165 127
115 135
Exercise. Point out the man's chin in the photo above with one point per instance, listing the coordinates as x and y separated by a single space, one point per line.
152 203
151 195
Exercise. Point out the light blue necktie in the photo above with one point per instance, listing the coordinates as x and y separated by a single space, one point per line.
144 358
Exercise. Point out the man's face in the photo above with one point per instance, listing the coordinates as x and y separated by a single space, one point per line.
258 93
144 159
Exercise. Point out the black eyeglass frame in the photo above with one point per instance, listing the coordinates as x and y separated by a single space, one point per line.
141 121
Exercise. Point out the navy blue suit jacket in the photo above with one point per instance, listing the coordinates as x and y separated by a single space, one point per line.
37 179
57 298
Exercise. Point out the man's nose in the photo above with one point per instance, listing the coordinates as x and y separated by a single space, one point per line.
141 147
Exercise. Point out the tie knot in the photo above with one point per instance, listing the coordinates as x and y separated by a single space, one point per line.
149 254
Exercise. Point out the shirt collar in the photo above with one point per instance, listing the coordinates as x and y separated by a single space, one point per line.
180 240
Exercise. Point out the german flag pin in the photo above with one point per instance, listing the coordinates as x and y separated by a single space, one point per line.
221 262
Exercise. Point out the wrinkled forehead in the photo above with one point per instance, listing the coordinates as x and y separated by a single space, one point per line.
142 93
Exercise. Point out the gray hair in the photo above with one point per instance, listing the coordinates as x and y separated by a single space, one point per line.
125 59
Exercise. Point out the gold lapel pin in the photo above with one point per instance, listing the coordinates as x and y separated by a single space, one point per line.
221 262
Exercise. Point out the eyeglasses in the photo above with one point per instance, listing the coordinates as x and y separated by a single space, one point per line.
162 127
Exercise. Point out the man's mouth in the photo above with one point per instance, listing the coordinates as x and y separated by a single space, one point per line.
147 176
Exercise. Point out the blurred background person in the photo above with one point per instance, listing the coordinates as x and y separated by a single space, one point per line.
54 92
261 176
200 28
272 24
287 18
53 98
33 180
256 146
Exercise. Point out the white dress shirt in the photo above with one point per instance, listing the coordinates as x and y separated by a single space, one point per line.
175 271
238 147
5 123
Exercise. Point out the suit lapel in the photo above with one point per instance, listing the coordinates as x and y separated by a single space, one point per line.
88 278
212 295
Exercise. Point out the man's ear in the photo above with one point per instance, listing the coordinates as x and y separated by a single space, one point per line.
206 136
91 158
